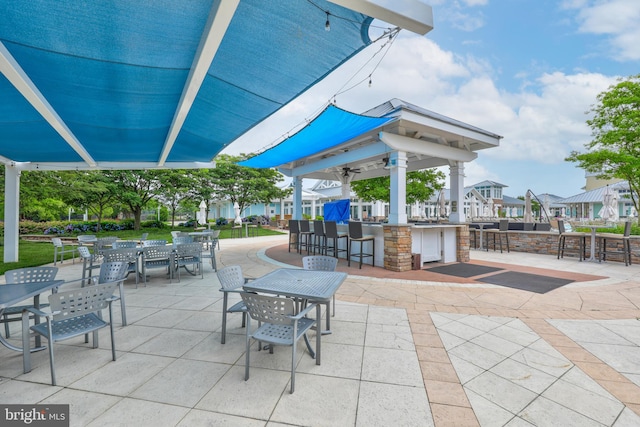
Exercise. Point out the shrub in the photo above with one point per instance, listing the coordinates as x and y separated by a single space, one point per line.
221 221
154 223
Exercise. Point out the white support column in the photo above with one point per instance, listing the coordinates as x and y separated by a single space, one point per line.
11 213
456 195
398 175
281 208
313 209
297 197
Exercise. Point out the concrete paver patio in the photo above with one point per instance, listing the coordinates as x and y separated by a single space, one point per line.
404 351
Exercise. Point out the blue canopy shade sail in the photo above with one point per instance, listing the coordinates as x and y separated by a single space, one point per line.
331 128
112 77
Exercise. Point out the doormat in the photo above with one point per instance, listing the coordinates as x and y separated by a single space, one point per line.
526 281
462 269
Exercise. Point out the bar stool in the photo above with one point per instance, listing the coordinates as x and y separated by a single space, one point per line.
502 230
355 234
294 234
582 237
615 239
305 236
333 235
319 238
236 231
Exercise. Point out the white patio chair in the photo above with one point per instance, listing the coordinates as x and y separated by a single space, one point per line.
129 255
89 263
60 249
278 325
231 281
73 313
189 254
24 275
157 257
209 247
115 272
322 263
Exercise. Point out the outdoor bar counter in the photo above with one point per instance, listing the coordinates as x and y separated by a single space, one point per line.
434 242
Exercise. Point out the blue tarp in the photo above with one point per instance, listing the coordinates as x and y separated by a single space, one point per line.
337 211
330 128
114 72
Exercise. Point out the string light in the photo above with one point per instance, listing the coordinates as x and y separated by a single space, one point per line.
369 80
327 25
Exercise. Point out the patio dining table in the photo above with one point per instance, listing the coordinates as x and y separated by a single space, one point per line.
13 294
307 285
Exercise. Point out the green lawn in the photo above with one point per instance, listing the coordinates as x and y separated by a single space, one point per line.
39 253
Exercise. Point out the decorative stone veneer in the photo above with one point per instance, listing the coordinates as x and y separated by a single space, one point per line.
542 242
462 244
397 247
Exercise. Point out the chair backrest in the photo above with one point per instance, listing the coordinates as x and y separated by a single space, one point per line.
57 242
318 228
84 238
627 228
124 244
31 274
102 243
561 228
231 277
189 249
127 255
331 229
113 271
294 226
180 240
84 252
108 240
149 243
319 262
153 252
355 229
78 302
305 227
144 237
527 226
175 233
504 225
269 309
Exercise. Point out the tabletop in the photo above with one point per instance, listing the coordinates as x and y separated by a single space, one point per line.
12 294
306 284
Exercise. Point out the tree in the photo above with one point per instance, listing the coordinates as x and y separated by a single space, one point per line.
92 190
614 151
175 186
135 188
421 185
244 185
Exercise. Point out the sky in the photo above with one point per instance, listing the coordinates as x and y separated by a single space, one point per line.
528 70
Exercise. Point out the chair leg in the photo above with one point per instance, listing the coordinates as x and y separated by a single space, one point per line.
224 319
122 304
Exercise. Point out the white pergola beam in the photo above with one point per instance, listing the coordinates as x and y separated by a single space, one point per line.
412 15
412 145
220 16
45 166
10 68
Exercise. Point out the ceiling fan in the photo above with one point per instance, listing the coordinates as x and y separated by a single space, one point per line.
346 170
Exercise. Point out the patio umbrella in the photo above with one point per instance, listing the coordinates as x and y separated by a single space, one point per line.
202 215
490 208
546 205
236 209
607 212
528 215
472 206
441 203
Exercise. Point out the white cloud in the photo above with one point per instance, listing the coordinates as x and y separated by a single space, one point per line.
616 18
